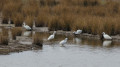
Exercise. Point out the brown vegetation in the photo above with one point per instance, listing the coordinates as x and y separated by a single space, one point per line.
4 37
3 40
92 16
17 31
38 39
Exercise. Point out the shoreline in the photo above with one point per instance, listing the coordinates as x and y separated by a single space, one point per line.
70 33
15 46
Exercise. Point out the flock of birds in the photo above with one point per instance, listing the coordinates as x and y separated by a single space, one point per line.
61 42
104 35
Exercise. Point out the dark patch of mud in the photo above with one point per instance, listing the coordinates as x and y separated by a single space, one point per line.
15 47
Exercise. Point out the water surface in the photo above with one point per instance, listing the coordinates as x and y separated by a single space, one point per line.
78 52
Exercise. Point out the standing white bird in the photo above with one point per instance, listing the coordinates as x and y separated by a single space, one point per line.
77 32
26 26
52 36
106 36
63 42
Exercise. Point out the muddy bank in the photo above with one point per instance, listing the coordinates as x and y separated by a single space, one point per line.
16 47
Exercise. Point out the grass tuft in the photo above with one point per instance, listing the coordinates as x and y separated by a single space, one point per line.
37 40
17 31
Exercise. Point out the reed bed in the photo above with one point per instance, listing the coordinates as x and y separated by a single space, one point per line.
17 31
92 16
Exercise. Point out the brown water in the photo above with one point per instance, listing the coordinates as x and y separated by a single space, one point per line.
78 52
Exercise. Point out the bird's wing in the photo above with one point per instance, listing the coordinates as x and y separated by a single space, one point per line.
79 31
28 27
50 37
107 36
61 42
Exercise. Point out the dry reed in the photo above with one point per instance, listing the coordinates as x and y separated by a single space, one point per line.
38 40
4 37
92 16
4 40
17 31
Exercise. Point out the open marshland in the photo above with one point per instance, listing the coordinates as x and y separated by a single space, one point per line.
59 33
78 51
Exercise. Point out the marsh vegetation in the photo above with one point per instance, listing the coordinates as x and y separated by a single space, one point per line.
92 16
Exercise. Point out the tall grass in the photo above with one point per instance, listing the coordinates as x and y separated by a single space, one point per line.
3 40
4 32
38 40
18 19
42 20
96 25
17 31
29 20
92 16
4 37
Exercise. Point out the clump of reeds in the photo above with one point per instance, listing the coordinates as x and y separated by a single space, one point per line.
38 40
5 32
29 20
62 22
17 31
42 20
5 21
4 40
54 23
18 19
10 7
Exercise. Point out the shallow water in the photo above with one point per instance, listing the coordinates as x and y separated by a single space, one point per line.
78 52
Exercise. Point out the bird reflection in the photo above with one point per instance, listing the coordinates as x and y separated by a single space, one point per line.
77 40
26 33
107 43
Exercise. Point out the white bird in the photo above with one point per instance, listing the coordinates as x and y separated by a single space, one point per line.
106 36
107 43
52 36
26 26
77 32
63 41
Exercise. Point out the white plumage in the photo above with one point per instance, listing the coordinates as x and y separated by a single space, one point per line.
26 26
63 41
52 36
107 43
77 32
106 36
